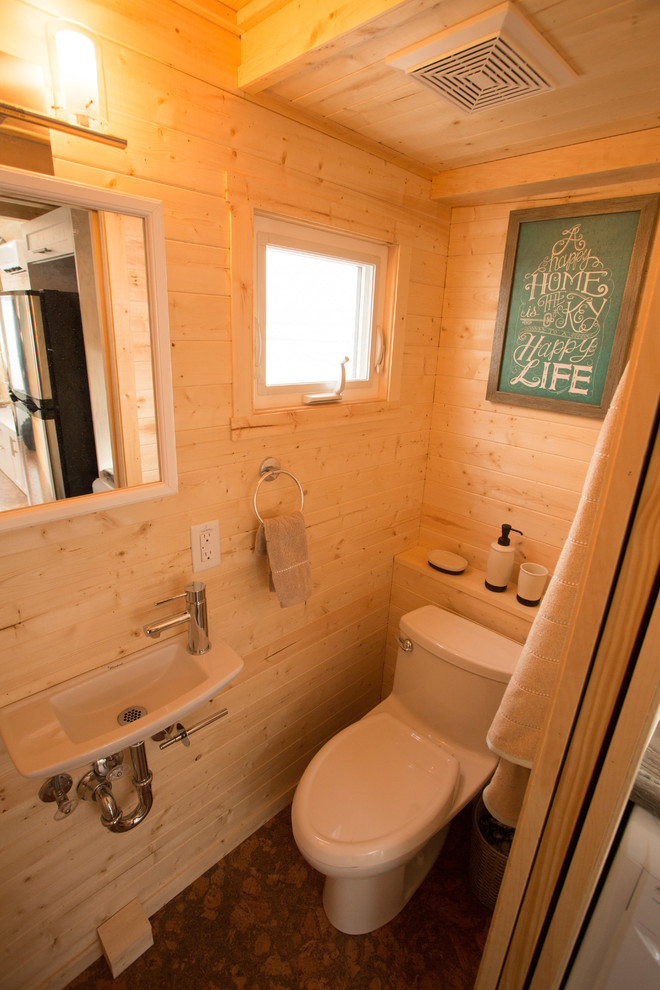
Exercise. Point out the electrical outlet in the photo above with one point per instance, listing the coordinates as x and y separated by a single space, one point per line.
205 545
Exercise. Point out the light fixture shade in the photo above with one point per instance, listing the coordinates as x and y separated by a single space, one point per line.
76 66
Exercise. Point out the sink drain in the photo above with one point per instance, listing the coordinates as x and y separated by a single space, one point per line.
131 714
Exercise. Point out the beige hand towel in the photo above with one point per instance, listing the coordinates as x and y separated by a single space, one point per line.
284 540
516 729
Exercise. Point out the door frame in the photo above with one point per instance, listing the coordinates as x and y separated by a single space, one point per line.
604 706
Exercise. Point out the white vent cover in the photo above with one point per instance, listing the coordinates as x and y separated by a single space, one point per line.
485 62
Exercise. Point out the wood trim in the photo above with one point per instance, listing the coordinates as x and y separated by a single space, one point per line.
255 11
242 307
213 10
244 195
568 863
396 307
572 168
599 818
568 758
263 63
276 421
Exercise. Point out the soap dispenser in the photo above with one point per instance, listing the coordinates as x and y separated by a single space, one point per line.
500 560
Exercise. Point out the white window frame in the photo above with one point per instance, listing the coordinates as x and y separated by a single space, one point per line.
307 203
271 229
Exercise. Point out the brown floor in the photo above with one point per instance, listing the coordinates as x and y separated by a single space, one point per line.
255 922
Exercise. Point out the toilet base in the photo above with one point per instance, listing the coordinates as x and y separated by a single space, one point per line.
361 905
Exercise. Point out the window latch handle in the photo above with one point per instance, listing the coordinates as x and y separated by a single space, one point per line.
341 384
380 350
258 344
322 398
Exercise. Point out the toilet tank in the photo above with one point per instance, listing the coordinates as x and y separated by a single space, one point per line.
454 676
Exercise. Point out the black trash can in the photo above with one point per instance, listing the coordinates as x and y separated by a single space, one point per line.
490 842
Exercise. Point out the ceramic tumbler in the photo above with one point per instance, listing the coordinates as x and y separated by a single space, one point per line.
531 583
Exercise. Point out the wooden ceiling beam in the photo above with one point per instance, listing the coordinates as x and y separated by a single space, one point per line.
282 41
624 157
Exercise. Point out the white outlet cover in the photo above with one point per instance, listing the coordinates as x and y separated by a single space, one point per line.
207 534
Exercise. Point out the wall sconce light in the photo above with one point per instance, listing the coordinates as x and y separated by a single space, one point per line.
76 66
78 83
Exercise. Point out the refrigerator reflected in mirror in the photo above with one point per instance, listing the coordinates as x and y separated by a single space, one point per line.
46 381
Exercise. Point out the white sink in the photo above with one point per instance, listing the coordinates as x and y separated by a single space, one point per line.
76 722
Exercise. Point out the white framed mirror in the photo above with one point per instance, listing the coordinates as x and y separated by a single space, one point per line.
86 411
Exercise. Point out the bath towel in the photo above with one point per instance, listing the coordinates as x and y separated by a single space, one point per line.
284 541
516 729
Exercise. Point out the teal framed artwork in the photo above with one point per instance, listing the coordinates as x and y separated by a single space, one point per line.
570 283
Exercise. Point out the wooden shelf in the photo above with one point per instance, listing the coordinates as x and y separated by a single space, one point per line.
465 593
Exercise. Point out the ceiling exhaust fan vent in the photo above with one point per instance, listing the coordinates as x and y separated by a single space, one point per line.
482 76
486 62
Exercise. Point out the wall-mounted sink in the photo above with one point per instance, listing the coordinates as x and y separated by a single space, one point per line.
103 711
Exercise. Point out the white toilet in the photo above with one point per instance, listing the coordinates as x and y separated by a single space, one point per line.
372 809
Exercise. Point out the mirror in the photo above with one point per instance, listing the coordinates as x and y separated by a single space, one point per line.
86 415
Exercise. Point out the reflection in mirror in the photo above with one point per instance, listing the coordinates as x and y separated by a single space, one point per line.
85 387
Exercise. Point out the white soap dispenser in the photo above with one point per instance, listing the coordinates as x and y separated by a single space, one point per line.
500 560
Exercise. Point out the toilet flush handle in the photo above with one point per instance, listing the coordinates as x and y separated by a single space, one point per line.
406 645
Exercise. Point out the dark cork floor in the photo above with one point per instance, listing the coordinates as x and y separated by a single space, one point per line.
255 922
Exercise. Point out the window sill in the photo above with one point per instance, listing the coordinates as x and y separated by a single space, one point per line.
280 421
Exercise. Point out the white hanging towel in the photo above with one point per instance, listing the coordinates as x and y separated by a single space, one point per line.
516 729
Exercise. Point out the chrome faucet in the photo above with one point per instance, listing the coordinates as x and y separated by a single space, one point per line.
195 616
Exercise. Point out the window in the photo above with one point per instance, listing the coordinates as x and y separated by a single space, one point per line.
319 304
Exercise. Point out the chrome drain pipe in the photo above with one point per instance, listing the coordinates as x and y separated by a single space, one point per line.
95 786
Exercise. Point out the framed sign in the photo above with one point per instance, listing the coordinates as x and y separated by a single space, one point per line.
569 289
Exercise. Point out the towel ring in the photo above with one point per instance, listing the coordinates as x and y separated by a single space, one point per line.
269 471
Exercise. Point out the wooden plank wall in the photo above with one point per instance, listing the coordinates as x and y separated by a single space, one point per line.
489 463
75 594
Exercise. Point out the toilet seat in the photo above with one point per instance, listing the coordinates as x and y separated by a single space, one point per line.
372 795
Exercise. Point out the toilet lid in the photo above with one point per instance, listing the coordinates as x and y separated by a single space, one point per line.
376 789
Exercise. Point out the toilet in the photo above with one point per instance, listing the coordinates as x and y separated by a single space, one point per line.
372 809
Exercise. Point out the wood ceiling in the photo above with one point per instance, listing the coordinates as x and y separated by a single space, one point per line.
326 62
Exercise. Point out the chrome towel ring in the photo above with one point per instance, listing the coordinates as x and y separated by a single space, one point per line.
270 470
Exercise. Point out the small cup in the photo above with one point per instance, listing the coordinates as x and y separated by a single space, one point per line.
531 583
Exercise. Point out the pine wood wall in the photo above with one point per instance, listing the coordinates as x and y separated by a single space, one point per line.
490 463
76 593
